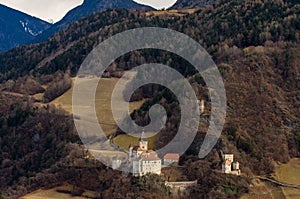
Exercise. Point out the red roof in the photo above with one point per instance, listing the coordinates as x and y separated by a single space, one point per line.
173 156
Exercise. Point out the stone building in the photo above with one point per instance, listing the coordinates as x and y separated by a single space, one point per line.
171 158
229 166
144 160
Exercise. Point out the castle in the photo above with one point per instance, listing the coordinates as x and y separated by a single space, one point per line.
230 167
144 160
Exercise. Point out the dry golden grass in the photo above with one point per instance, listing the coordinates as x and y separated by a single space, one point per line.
39 96
103 104
65 101
290 174
285 173
259 190
171 12
53 194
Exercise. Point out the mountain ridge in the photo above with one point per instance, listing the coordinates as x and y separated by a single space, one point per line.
18 28
88 7
255 45
13 37
187 4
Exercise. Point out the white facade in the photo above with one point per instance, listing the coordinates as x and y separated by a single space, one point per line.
144 165
228 157
202 106
230 167
137 167
144 145
236 166
170 161
171 158
143 160
226 167
152 166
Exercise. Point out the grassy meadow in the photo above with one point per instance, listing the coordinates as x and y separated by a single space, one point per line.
103 109
289 173
54 194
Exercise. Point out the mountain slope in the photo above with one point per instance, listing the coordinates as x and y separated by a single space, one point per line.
89 7
17 28
258 60
256 47
213 27
184 4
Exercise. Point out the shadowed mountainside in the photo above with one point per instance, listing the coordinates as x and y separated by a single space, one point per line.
88 7
18 28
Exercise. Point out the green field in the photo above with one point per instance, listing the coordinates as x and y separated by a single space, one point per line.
123 141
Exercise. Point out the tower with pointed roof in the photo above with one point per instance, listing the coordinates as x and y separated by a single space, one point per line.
143 142
142 159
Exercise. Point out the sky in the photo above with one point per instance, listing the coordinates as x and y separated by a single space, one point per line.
54 10
43 9
158 4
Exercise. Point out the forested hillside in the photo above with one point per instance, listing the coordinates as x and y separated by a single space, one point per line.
256 47
33 142
235 24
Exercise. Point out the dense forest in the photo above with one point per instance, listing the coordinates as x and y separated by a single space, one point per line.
40 149
186 4
33 142
255 45
241 24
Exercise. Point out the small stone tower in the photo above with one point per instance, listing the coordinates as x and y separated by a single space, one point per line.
143 142
202 106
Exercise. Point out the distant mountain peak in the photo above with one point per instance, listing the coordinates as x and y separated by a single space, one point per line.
18 28
187 4
91 6
87 8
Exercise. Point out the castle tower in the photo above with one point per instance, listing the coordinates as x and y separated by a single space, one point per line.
143 142
202 106
236 166
130 152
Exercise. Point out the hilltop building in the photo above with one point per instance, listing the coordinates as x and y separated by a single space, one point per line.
201 104
230 167
144 160
171 158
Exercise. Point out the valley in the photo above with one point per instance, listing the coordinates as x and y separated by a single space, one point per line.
255 45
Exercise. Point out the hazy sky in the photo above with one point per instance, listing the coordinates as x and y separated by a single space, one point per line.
56 9
44 9
158 4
